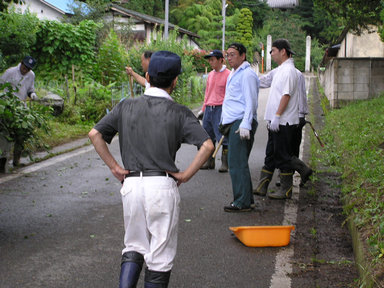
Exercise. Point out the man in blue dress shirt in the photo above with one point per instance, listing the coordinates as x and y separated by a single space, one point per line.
239 116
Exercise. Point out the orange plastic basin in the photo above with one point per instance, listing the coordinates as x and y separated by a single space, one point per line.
263 236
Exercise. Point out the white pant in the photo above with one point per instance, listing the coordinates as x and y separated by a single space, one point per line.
151 215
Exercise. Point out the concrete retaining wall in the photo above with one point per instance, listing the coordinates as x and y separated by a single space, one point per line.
350 79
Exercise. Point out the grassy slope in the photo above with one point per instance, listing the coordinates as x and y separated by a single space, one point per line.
354 137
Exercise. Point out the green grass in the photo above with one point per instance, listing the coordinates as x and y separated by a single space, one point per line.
61 133
354 137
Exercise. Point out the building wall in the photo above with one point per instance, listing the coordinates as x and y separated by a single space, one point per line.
350 79
368 44
43 11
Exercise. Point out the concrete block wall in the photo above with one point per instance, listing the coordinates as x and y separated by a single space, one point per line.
350 79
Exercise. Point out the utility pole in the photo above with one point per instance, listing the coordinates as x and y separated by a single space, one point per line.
166 19
223 14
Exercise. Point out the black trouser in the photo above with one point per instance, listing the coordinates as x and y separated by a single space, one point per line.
279 149
297 138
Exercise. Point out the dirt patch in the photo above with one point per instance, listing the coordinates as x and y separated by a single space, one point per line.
323 255
323 247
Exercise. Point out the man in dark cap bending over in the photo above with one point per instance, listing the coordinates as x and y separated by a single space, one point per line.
151 129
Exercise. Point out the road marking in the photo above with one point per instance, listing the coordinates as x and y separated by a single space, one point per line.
46 163
283 263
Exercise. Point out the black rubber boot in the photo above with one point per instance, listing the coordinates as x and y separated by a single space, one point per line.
304 171
210 164
16 155
224 161
3 163
265 179
131 265
285 189
156 279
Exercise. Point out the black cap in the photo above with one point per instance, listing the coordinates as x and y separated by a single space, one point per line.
164 64
29 62
239 47
214 53
283 44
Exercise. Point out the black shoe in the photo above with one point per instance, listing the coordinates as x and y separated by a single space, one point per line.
233 208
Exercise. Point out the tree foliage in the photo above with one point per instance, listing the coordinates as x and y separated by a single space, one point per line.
4 4
244 28
259 9
203 18
111 61
286 25
61 45
151 7
358 14
17 36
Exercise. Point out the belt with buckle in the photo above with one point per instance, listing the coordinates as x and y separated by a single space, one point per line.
149 174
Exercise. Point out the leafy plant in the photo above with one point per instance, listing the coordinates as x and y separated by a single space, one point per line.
17 36
111 61
61 45
244 27
18 122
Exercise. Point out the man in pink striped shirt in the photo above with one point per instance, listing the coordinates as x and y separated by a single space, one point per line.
213 100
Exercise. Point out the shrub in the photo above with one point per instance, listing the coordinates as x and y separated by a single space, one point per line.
111 61
60 45
17 36
19 122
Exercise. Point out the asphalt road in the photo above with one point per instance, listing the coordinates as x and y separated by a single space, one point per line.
61 225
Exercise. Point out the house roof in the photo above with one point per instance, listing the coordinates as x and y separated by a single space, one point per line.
283 3
149 19
61 6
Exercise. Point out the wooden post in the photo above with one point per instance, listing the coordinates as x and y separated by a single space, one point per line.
74 84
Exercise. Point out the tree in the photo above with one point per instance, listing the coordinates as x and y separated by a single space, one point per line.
4 4
259 9
202 18
286 25
358 14
17 36
111 61
244 28
61 45
319 23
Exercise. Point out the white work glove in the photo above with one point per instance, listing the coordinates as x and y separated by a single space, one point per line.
33 96
244 133
274 126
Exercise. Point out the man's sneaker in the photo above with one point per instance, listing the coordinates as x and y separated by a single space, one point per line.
233 208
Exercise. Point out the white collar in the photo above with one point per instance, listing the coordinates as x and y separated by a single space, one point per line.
157 92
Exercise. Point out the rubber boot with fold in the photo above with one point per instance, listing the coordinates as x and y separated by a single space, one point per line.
265 179
224 161
286 185
131 265
156 279
302 168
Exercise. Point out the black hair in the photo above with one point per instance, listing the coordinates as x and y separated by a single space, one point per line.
147 54
239 47
161 81
283 44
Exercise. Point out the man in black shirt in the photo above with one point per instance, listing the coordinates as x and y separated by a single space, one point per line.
151 129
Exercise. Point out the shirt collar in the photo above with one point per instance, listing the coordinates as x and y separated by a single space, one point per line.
157 92
243 65
289 61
